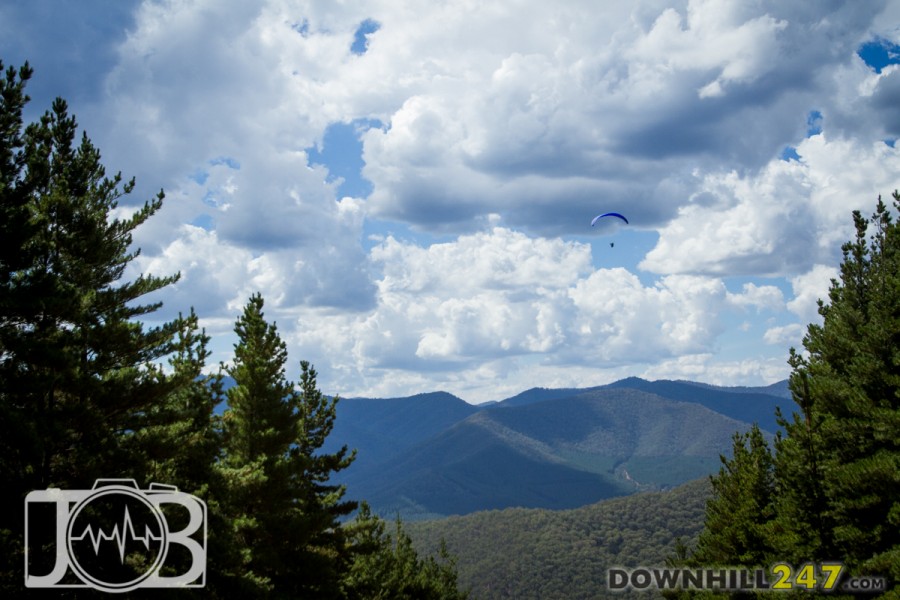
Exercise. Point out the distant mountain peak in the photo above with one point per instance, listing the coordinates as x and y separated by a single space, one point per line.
434 395
629 380
439 395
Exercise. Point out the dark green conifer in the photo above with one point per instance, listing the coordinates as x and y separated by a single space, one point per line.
285 513
836 494
801 528
735 530
78 371
387 567
178 436
851 379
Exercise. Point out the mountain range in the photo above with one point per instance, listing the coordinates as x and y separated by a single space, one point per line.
433 454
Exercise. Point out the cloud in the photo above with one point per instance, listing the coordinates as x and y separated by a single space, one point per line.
499 302
788 335
715 37
708 368
790 216
620 320
541 127
90 32
489 294
809 288
218 275
503 128
217 102
765 297
549 128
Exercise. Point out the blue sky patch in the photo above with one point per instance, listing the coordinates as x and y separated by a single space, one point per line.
341 154
361 37
302 27
210 200
813 123
229 162
199 177
789 153
204 221
879 53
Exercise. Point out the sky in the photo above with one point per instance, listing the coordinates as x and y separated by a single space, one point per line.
410 186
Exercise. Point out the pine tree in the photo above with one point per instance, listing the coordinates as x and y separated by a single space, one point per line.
737 516
178 437
77 369
834 489
284 513
387 567
851 378
801 528
835 492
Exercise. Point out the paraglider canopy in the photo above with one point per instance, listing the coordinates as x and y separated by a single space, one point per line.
609 214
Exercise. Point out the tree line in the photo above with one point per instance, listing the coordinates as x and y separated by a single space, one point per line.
89 391
828 490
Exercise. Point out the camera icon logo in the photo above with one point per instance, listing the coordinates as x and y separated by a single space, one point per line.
115 537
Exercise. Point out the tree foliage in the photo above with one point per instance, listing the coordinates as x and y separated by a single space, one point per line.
851 382
742 504
833 493
78 371
84 393
532 554
389 568
284 513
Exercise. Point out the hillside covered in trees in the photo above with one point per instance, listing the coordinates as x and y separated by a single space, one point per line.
544 554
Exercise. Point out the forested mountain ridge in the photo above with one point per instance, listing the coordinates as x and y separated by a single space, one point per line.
433 454
751 405
545 555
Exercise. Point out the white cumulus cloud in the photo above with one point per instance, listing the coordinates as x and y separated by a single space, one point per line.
502 128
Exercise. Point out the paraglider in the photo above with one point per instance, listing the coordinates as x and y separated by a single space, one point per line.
609 214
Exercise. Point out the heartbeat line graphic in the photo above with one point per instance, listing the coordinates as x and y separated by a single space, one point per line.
120 537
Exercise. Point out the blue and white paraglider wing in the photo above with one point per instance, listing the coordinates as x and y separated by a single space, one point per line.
609 214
